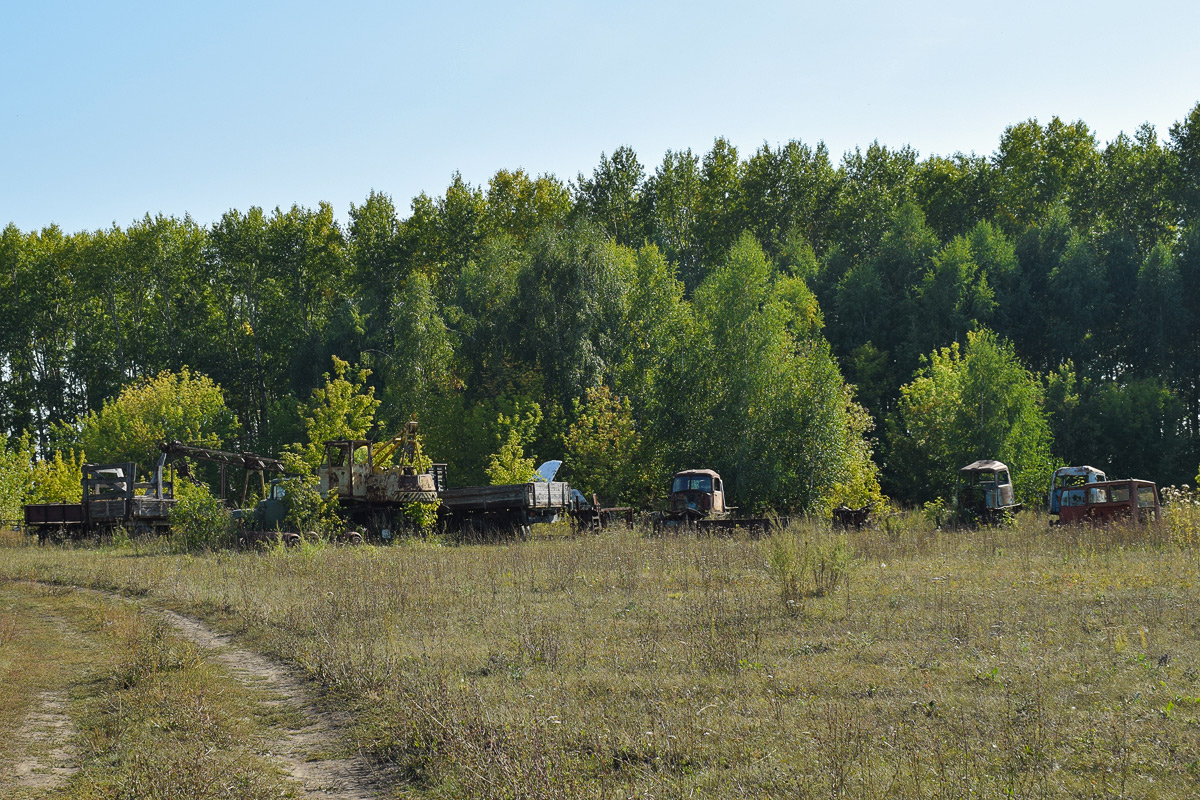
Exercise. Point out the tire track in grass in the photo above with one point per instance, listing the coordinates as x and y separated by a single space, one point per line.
45 737
304 752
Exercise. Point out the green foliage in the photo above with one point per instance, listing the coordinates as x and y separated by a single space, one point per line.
200 521
304 509
766 409
806 563
465 433
965 404
14 478
1040 165
56 479
611 196
509 464
419 353
343 408
605 452
484 298
953 297
420 516
184 405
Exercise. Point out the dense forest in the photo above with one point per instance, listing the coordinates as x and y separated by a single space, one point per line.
818 331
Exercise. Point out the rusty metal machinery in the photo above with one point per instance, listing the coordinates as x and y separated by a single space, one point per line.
253 463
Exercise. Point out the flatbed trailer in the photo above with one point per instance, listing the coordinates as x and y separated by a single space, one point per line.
111 497
488 512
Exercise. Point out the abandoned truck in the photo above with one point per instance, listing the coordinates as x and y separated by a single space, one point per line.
1103 502
371 492
376 495
697 500
474 513
111 498
985 493
1070 486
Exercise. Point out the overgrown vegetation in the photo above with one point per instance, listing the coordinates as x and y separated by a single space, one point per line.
137 712
913 662
758 313
805 566
200 521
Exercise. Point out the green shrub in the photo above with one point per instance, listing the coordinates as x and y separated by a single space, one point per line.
804 564
200 521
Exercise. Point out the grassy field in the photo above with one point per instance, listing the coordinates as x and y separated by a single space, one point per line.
905 662
100 700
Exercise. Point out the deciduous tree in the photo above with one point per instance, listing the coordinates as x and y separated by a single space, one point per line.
967 403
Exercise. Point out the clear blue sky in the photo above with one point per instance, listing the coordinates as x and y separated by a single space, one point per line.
112 110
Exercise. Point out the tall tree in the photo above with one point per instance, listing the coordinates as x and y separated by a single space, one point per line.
671 197
876 185
517 205
572 299
605 450
44 311
184 406
1157 339
1185 166
768 410
1081 306
967 403
1133 197
721 210
789 193
611 197
956 193
1040 166
952 298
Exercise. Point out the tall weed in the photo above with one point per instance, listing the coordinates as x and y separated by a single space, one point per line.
806 564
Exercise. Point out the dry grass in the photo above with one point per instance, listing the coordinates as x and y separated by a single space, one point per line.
1014 662
138 712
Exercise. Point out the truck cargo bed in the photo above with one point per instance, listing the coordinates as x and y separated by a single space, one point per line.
513 496
54 514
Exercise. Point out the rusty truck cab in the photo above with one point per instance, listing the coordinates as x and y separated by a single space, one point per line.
698 492
985 492
1110 501
1073 486
343 472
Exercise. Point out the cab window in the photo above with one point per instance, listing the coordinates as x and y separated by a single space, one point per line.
692 483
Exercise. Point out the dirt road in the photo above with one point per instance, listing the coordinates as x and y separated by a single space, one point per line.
59 646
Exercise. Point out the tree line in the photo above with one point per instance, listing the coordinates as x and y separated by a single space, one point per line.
819 331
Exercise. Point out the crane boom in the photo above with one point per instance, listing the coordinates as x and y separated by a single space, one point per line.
251 462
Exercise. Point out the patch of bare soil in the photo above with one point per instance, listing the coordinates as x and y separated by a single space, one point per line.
45 736
303 752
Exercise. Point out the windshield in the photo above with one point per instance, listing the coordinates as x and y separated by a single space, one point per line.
985 478
1078 480
692 483
1146 497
